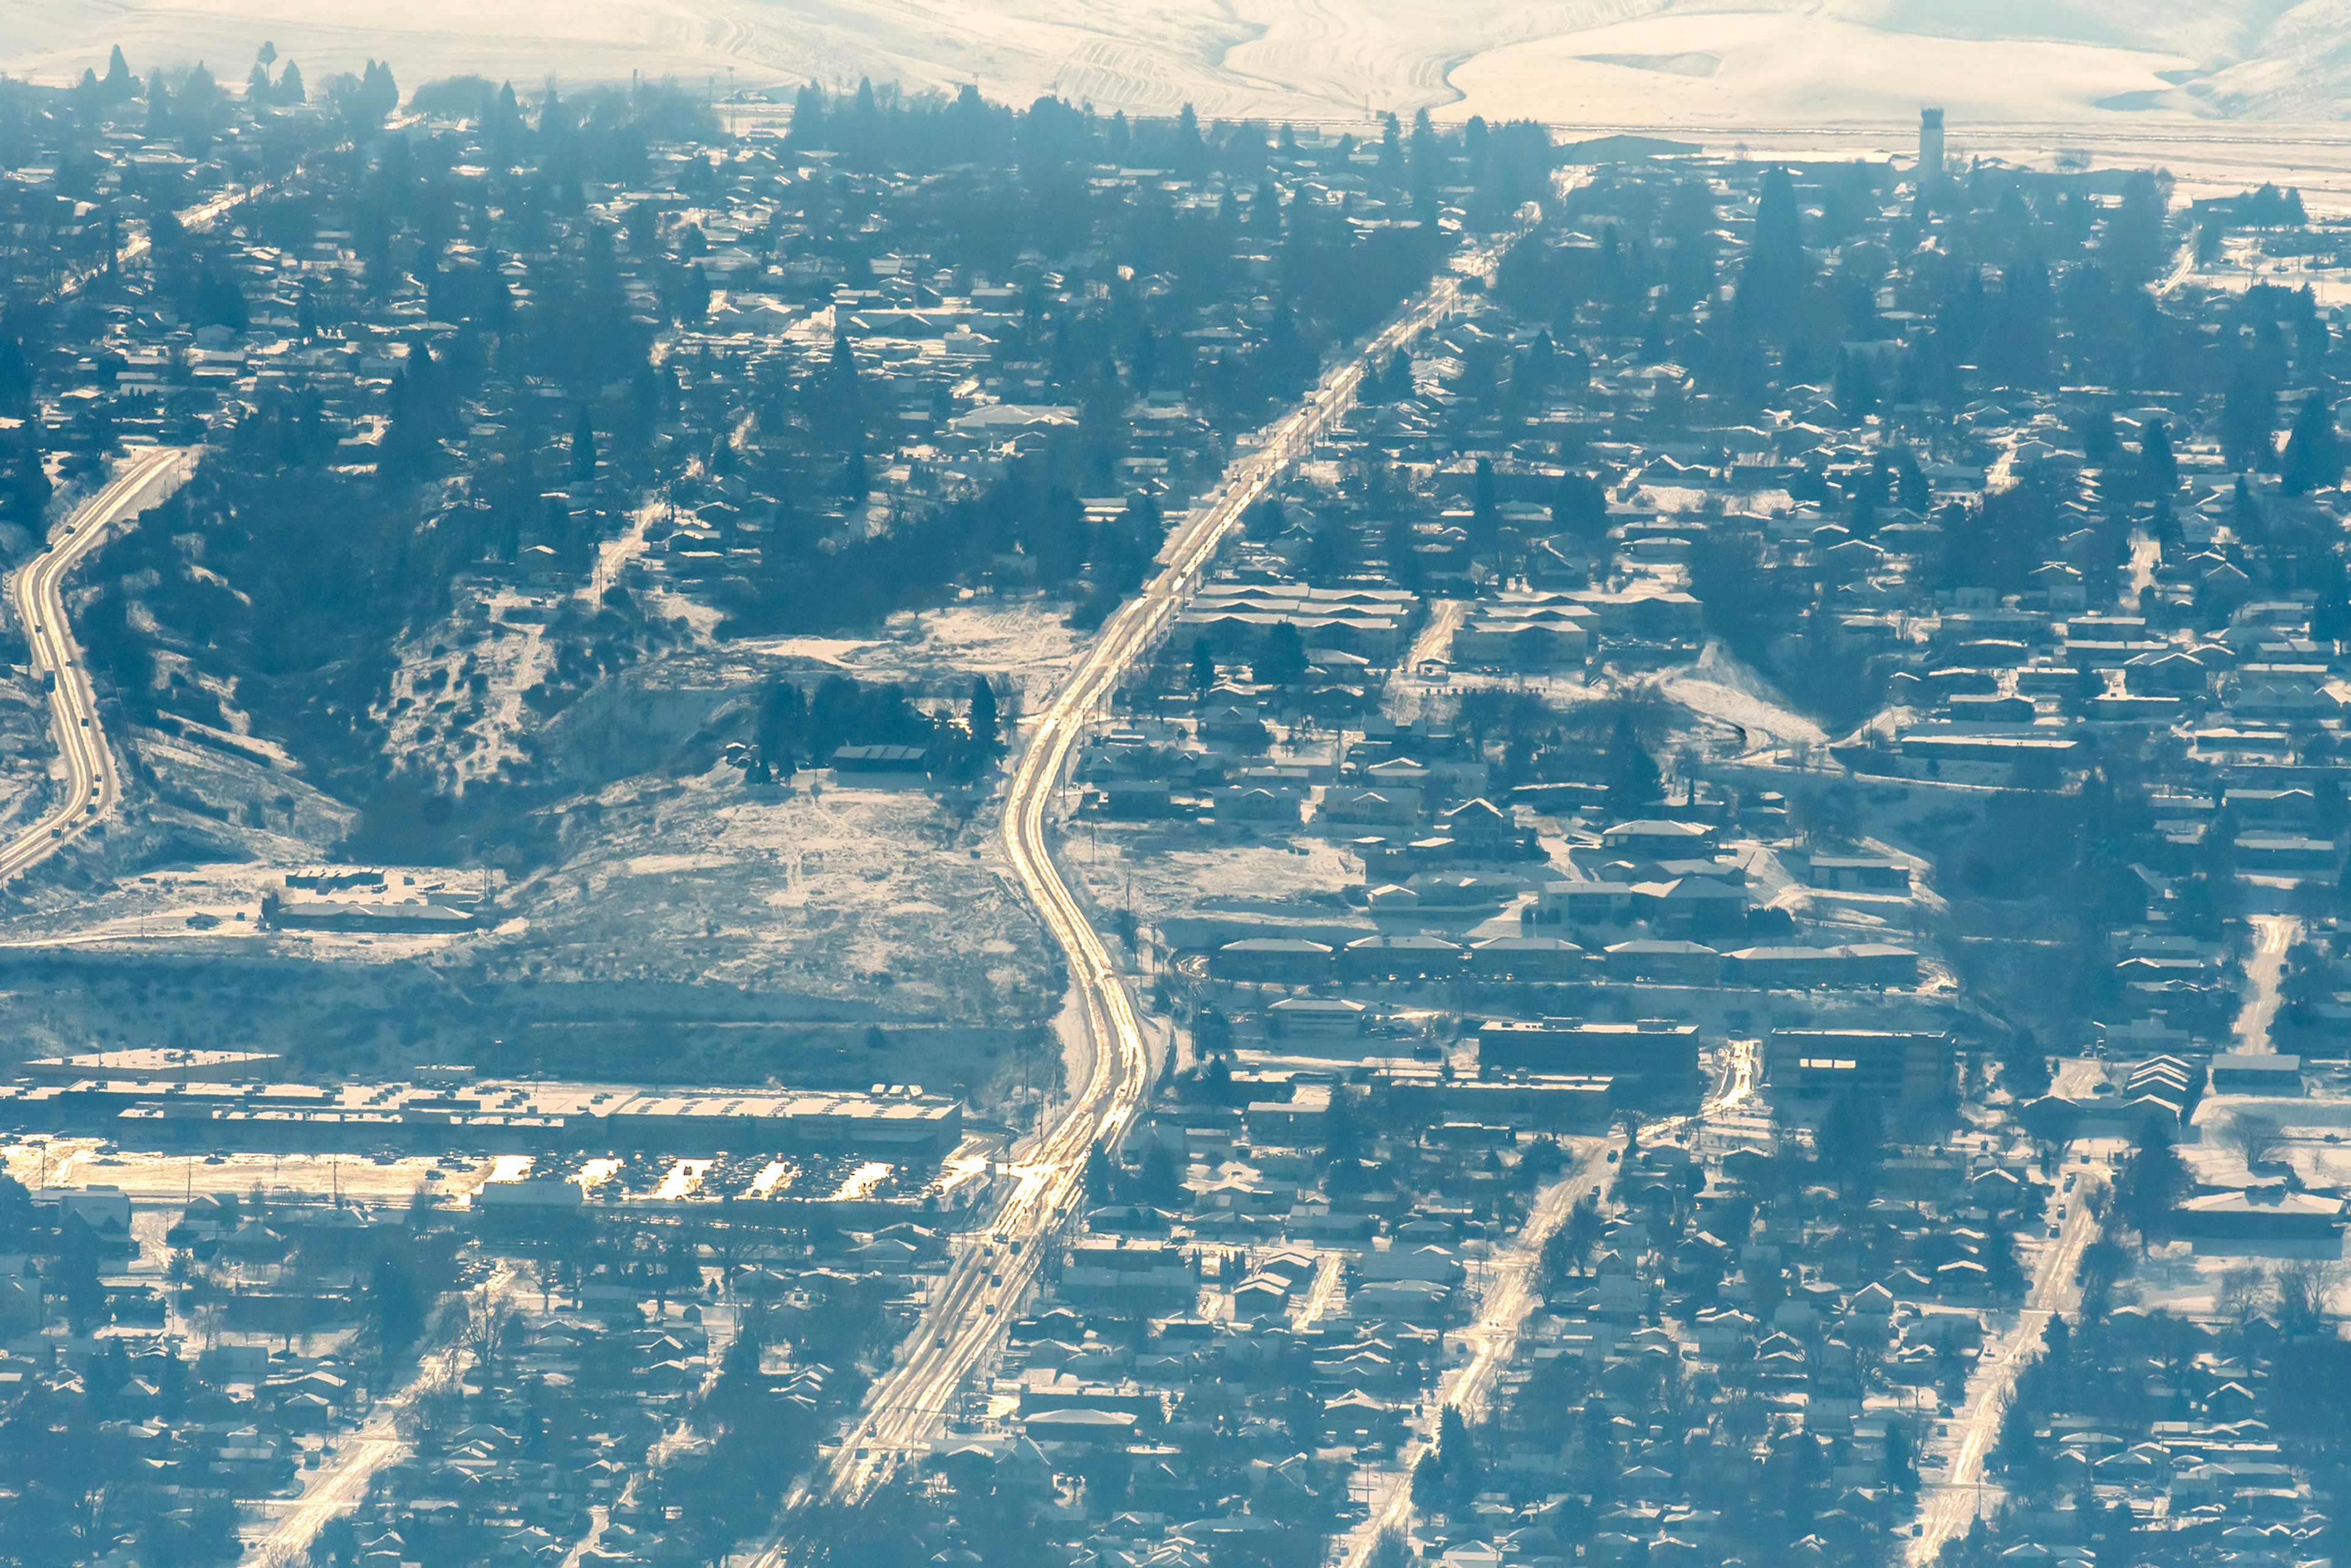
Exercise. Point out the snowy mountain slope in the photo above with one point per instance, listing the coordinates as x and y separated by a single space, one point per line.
1739 62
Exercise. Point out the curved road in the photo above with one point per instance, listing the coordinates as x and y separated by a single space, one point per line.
979 1292
37 595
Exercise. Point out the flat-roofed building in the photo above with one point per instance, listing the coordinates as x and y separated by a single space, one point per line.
1273 960
1914 1067
1652 1048
155 1063
522 1117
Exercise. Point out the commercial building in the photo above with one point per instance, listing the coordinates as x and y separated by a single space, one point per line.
1914 1067
1657 1049
519 1117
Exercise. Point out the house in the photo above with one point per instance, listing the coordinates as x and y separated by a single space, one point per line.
1426 1262
2260 1213
1528 958
1412 1301
1129 1273
1315 1018
1273 960
2282 852
881 767
1665 962
1660 839
1692 903
2263 1072
1802 968
1584 903
1401 957
1858 873
1483 831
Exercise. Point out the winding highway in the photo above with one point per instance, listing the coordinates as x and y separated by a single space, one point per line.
968 1309
37 592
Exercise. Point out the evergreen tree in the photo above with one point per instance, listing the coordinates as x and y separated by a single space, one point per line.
1634 782
119 85
1191 153
2249 415
2134 243
1580 506
2158 468
2153 1180
378 94
1428 1489
984 735
583 446
1204 664
1397 382
2314 454
1281 658
841 403
807 127
1777 269
1464 1473
1856 387
77 1279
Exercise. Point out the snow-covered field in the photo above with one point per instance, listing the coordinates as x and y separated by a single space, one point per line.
1722 62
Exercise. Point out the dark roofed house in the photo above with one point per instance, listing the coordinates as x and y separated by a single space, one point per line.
1529 958
1277 960
1404 958
881 767
1691 903
1665 962
2256 1073
1652 1048
1660 839
1858 873
2261 1214
1802 968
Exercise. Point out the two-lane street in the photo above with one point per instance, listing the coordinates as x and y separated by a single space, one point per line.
1949 1505
90 788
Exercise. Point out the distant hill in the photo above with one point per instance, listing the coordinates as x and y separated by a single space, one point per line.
1634 63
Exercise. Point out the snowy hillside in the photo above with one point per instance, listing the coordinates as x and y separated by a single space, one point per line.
1726 62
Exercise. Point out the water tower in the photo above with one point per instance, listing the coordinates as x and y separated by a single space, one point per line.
1930 146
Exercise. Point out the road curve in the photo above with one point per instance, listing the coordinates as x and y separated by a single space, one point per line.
37 593
973 1301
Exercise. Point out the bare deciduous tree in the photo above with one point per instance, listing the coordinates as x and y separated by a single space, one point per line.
2306 1292
2243 1293
2255 1138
